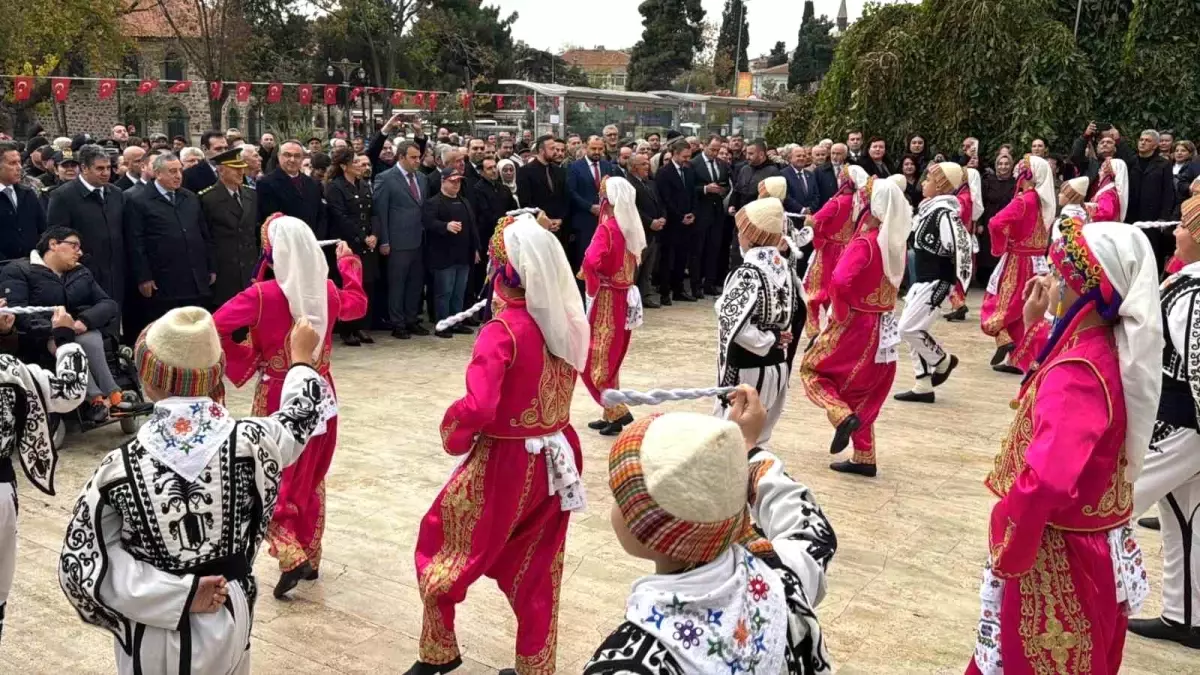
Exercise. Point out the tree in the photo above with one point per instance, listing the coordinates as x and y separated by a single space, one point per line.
372 31
732 44
778 55
814 51
536 65
671 36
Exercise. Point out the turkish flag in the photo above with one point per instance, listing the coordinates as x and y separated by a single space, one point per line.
146 86
499 101
215 89
180 87
419 100
274 92
466 100
61 86
306 94
432 100
531 101
397 98
355 93
22 86
106 88
331 94
243 92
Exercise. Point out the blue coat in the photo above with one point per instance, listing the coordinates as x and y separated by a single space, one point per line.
581 186
397 213
802 192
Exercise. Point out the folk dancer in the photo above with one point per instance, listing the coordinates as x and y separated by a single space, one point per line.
740 551
505 509
1111 200
754 312
1171 478
28 394
160 547
1020 234
834 226
1065 571
1071 198
850 368
970 210
268 308
942 259
614 303
776 186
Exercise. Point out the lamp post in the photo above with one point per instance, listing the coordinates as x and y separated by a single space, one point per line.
333 70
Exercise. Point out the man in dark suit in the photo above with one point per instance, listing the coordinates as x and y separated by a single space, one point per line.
676 186
707 241
473 170
287 191
170 252
22 219
802 184
653 220
542 184
204 173
400 193
95 209
231 213
583 184
133 156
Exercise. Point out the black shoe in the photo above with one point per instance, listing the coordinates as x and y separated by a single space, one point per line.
364 338
471 323
697 294
507 671
422 668
959 314
418 329
460 329
1165 629
443 333
666 300
96 412
712 290
685 297
597 425
1150 523
651 304
289 580
614 428
1001 354
351 340
841 437
914 397
938 378
1005 368
867 470
313 576
402 334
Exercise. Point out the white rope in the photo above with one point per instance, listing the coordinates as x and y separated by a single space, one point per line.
27 310
612 397
455 319
789 214
517 212
1152 224
327 242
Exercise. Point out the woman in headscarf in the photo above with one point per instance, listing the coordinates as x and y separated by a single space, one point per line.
1065 571
850 368
508 177
614 307
1020 233
1111 199
292 284
833 227
505 510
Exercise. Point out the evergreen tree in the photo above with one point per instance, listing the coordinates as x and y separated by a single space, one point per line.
778 55
671 36
814 50
728 42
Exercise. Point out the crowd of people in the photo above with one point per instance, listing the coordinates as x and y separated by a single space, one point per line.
183 252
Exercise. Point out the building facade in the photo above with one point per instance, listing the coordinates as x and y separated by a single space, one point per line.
605 68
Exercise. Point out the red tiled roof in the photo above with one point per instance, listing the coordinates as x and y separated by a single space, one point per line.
585 58
147 19
781 69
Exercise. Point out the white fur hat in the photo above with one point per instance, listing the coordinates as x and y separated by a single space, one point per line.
181 354
775 186
762 220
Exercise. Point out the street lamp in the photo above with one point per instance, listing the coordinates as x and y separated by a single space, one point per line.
334 69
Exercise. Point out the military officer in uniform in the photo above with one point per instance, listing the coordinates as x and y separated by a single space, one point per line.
231 209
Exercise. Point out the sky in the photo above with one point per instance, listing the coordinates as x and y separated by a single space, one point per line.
619 25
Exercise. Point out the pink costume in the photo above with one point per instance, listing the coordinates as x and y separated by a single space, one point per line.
1108 207
1020 235
840 371
833 227
609 271
299 520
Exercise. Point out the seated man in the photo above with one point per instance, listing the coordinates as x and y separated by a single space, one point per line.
53 277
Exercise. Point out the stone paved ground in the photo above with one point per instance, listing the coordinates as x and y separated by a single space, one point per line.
903 592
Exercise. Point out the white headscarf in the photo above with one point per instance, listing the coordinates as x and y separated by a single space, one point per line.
889 205
1043 184
623 198
860 178
1129 263
1120 183
976 186
551 296
301 272
500 168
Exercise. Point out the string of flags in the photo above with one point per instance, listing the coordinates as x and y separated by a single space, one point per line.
60 87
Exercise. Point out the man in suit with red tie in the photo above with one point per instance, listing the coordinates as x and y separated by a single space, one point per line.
583 185
709 241
676 185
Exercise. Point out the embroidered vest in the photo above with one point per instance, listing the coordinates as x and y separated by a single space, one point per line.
1177 404
871 291
536 394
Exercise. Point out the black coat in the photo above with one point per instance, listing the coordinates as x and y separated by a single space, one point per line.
745 182
648 204
826 183
543 187
1151 189
169 244
200 177
124 182
444 248
20 228
880 170
28 284
351 218
277 194
101 229
233 237
675 190
1183 184
490 200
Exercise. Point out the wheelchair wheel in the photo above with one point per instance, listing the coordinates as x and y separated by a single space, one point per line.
131 425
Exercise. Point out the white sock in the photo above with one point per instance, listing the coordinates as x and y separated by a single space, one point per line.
923 386
943 365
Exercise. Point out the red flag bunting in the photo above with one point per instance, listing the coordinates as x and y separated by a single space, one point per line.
306 94
146 86
274 92
355 93
466 100
243 92
397 98
331 94
531 101
180 87
499 101
375 91
22 86
61 86
419 100
433 100
215 89
106 88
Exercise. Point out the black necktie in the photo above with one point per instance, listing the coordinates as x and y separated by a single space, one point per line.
171 198
238 197
99 192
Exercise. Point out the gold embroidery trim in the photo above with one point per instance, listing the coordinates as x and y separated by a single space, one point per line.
1063 644
602 337
552 406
